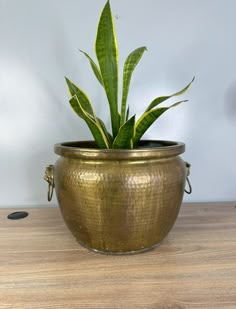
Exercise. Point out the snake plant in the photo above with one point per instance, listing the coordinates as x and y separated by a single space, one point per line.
126 131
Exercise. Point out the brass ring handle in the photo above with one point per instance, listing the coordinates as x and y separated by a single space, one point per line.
188 165
50 192
190 187
49 177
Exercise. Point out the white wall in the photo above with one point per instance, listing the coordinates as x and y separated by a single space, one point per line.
39 46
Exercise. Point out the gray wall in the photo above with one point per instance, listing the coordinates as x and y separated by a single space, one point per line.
39 46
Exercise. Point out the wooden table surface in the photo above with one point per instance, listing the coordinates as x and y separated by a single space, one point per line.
42 266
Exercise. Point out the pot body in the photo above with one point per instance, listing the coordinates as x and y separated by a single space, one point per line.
119 201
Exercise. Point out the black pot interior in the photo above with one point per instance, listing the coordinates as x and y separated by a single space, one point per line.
143 144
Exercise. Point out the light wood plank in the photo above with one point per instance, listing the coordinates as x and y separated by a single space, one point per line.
42 266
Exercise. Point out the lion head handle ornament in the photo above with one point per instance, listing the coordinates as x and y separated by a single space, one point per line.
49 177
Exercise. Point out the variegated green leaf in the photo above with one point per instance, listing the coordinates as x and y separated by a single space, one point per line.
129 66
105 131
82 97
159 100
94 127
148 118
124 138
107 55
94 67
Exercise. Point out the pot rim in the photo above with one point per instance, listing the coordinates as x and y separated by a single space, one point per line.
87 150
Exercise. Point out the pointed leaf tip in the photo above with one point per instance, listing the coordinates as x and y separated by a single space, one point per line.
82 97
107 55
94 67
161 99
129 66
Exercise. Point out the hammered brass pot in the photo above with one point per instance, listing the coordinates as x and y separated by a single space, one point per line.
119 201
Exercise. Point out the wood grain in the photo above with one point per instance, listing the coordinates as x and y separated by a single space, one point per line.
42 266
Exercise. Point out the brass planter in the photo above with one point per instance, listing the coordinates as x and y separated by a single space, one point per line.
119 201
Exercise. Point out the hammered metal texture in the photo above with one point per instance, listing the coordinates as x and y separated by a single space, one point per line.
120 206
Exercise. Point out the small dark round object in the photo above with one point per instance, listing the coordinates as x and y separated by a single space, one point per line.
17 215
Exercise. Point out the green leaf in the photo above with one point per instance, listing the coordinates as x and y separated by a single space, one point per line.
94 67
119 119
148 118
127 114
82 97
129 66
107 134
94 127
124 138
107 55
159 100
